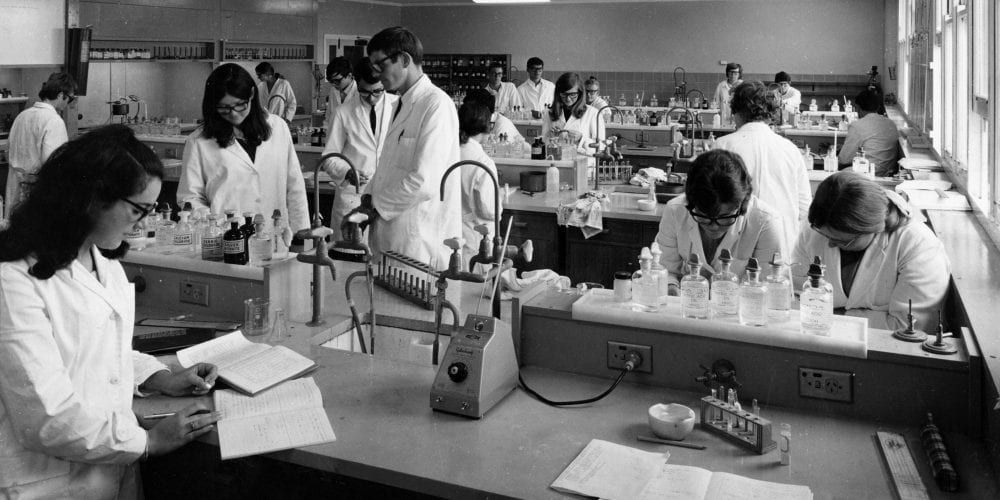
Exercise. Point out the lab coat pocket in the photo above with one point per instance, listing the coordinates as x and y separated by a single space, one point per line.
404 151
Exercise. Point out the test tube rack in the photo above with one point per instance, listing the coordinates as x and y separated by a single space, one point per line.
408 278
735 425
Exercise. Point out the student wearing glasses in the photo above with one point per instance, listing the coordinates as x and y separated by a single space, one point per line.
36 133
718 210
241 157
68 373
536 92
340 74
724 91
878 253
358 132
505 93
570 113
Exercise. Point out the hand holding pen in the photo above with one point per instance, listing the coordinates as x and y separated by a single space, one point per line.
178 429
194 381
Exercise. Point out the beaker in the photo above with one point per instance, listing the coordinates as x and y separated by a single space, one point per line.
256 317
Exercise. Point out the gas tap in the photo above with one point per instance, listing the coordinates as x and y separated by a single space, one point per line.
497 241
453 272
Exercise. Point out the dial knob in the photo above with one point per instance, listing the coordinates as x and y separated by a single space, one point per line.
457 372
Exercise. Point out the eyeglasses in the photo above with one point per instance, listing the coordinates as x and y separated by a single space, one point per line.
143 210
497 73
535 69
721 220
222 109
568 95
377 65
838 242
593 91
373 92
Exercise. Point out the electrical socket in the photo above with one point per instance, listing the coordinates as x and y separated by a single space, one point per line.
826 384
194 292
618 355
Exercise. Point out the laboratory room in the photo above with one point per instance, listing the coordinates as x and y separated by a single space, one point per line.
631 249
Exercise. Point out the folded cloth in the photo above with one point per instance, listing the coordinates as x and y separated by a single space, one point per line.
585 213
646 175
510 282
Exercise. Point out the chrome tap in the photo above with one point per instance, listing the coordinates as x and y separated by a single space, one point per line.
680 89
701 98
497 240
611 153
691 123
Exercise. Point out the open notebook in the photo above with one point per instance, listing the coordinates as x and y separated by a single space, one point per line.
289 415
247 366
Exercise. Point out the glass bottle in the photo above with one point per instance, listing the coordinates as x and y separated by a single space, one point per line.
260 243
779 291
211 239
816 302
621 100
785 444
659 273
234 245
645 289
247 227
694 291
725 288
753 297
165 233
134 236
183 239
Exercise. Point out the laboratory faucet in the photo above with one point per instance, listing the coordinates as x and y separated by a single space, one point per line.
610 153
680 89
692 122
701 97
497 240
453 272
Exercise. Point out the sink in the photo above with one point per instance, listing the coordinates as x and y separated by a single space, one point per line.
628 188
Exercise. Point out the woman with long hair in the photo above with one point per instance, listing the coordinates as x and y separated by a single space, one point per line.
571 114
67 369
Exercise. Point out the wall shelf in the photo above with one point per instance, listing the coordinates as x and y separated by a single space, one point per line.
262 51
151 50
461 72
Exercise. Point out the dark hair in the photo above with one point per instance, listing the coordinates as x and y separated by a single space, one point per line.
495 65
264 68
750 102
869 100
232 79
534 61
57 82
850 202
781 76
565 82
734 67
481 96
363 72
341 66
592 81
473 119
82 177
715 178
396 40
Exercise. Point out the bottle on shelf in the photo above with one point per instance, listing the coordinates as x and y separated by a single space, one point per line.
638 101
234 245
725 291
694 291
281 235
621 101
211 239
552 180
183 239
654 102
659 272
538 149
816 302
260 243
247 228
753 297
779 291
645 289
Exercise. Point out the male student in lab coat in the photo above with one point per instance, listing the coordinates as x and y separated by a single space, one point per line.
774 163
505 93
36 133
340 74
275 92
536 93
403 198
357 131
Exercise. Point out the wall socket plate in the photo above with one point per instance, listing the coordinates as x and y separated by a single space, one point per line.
194 292
618 356
826 384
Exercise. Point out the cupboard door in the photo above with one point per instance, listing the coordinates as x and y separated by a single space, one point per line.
541 229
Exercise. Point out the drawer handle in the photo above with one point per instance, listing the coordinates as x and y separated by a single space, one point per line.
521 225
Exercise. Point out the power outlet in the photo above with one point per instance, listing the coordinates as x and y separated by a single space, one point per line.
194 292
826 384
618 355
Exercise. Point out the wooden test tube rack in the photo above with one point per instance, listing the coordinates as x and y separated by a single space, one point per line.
391 274
738 426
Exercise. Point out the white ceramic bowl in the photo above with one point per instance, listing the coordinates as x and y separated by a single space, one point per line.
646 205
671 421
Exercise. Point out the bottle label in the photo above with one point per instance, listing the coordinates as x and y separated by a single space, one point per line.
136 232
694 299
211 248
234 246
725 295
183 239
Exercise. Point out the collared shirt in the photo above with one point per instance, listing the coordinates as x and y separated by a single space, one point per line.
879 137
506 96
536 97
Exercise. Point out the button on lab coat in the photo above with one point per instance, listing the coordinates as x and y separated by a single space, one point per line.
280 100
908 264
778 175
223 178
35 134
422 143
67 377
755 234
351 134
478 206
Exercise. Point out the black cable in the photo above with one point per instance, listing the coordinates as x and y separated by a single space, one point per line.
569 403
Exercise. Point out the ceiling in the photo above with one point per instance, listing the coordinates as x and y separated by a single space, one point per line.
424 3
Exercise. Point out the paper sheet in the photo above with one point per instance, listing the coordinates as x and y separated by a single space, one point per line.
609 470
221 351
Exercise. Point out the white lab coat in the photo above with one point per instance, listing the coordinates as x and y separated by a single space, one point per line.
421 144
280 100
588 126
351 135
333 101
909 264
226 178
790 101
477 197
755 234
506 96
723 95
67 377
779 179
503 125
35 134
537 97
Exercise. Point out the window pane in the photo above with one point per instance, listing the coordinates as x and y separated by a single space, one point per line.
981 57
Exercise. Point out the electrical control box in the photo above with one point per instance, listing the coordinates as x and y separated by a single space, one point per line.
826 384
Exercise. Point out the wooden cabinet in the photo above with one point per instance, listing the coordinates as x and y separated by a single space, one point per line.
544 234
462 72
616 249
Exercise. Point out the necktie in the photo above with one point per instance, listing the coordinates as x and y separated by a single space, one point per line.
399 106
371 118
